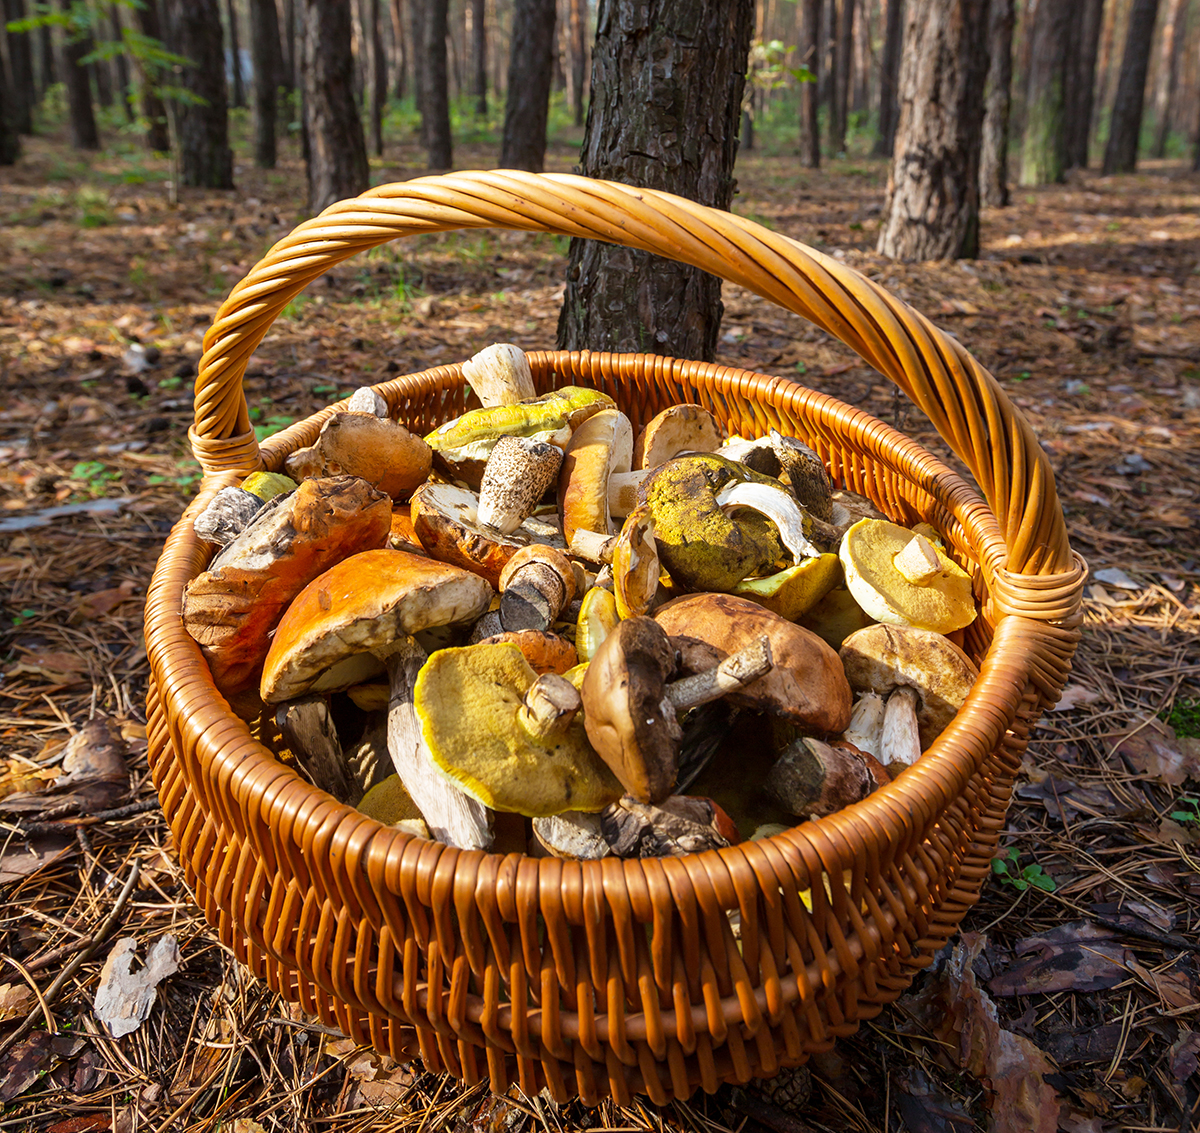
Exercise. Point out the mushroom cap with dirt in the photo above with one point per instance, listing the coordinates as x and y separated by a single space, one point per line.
806 685
484 734
883 658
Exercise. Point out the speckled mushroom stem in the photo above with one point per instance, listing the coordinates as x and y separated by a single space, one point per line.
735 672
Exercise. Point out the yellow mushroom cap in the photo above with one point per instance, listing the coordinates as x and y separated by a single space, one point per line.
943 604
792 592
468 702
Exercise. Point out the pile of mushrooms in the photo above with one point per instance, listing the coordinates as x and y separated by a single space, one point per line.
534 631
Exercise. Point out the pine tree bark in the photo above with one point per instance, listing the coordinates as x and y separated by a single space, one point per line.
377 72
993 154
479 56
842 73
810 55
337 161
579 24
10 139
201 128
1174 33
266 55
81 117
20 79
435 101
235 55
1044 146
666 95
1081 83
932 209
400 54
1120 155
530 72
889 79
293 64
158 132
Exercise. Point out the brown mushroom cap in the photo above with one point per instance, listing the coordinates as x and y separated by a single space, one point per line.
381 451
629 721
882 658
364 603
678 428
806 685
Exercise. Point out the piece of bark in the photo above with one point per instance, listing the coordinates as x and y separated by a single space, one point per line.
232 607
94 775
681 825
307 728
125 998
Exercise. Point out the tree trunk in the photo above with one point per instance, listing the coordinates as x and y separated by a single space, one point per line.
1120 155
810 55
932 209
378 76
843 57
10 138
48 65
158 133
99 70
266 58
889 79
201 128
479 56
337 161
530 70
20 79
993 154
666 96
84 134
417 14
863 57
1081 83
579 27
235 55
121 66
435 103
400 55
1044 146
295 64
1173 36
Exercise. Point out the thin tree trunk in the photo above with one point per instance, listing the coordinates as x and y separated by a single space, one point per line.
863 57
1120 155
530 71
1081 84
235 55
435 104
378 77
889 78
417 14
158 133
121 66
993 154
1044 146
666 95
48 70
20 84
10 138
399 52
843 61
84 134
100 76
337 162
295 64
202 126
932 209
579 24
266 56
810 54
1174 33
479 56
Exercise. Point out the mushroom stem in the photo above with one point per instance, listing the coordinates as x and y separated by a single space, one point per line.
551 703
779 507
500 375
735 672
452 816
866 724
516 476
900 741
533 598
593 545
623 491
918 562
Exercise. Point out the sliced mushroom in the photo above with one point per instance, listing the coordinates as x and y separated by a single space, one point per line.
598 617
778 506
600 447
536 585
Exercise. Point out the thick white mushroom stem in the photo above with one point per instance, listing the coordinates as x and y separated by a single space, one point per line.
918 562
779 507
516 476
550 705
623 491
735 672
366 400
900 741
865 730
453 817
500 375
593 546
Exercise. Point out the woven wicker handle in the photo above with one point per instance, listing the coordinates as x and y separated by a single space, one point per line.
966 405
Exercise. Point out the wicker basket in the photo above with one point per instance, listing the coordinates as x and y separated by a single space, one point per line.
622 977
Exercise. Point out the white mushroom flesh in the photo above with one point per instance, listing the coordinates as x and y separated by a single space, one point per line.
500 375
779 507
865 730
900 740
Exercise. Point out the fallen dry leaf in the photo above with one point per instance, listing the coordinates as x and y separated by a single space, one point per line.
1155 751
16 1000
1174 989
1079 956
925 1109
247 1125
1185 1056
93 773
125 998
1074 696
19 776
101 602
24 858
31 1058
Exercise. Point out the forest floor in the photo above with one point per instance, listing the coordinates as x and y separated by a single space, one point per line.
1075 981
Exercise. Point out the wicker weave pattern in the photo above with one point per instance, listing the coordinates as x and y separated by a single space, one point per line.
622 977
